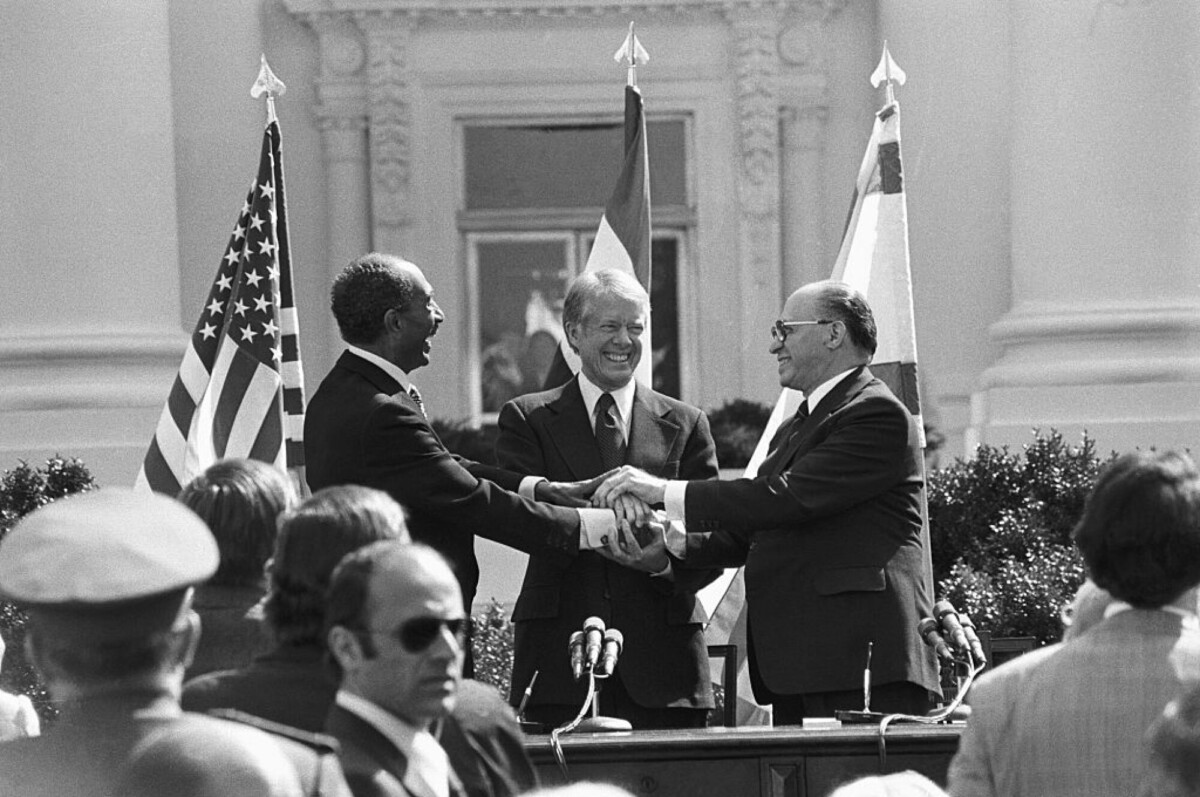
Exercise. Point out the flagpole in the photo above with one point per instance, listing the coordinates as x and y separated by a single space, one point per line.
631 50
267 83
889 73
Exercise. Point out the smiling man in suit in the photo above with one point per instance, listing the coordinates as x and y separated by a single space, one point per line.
829 530
366 425
601 419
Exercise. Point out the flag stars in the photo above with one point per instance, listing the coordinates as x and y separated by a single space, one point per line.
253 278
265 247
273 271
267 190
208 331
224 283
269 328
261 305
215 307
232 256
239 232
248 334
240 308
256 222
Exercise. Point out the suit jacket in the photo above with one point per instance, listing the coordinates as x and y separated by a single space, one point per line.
374 766
1071 719
665 660
362 428
84 753
290 685
830 533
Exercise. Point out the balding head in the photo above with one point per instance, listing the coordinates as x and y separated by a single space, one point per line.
826 328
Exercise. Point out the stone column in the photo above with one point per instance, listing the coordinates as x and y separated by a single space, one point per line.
90 330
388 35
1104 330
804 252
755 31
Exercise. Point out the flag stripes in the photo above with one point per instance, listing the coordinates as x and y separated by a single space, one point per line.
239 391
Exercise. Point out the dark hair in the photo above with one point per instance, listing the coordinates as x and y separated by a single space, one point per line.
590 285
1140 530
313 538
350 588
838 301
364 292
240 500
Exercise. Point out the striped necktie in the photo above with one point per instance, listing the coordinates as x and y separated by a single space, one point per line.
609 438
416 396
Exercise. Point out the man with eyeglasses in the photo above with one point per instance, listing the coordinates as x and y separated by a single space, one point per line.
395 630
829 530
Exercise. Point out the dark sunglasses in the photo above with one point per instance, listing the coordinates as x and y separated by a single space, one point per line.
417 634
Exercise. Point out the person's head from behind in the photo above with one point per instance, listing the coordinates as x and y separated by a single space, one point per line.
395 628
896 784
1140 529
825 328
1174 749
385 305
241 501
312 539
203 757
107 579
604 315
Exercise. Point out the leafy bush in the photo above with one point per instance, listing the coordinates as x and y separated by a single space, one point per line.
22 490
492 646
1000 529
737 426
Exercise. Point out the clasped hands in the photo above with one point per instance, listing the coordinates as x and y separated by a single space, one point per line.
640 542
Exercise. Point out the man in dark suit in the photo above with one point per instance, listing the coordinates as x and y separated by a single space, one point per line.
662 680
395 629
366 425
291 684
829 530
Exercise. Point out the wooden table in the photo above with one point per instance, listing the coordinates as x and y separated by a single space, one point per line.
754 762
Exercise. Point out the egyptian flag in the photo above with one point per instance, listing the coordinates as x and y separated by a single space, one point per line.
623 239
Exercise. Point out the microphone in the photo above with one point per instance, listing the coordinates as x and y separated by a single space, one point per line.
947 615
928 629
575 649
976 646
614 643
593 631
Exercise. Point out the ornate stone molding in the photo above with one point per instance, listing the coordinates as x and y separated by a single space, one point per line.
387 36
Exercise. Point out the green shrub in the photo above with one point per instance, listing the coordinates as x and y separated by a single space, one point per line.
492 646
1000 528
22 490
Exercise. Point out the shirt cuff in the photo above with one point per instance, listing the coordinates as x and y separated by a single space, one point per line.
676 540
596 526
674 500
527 486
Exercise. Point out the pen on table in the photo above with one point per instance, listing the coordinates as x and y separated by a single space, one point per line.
867 679
525 697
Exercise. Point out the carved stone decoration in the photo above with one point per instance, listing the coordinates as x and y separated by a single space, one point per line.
388 100
755 32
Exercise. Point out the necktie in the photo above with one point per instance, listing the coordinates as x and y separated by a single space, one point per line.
801 414
608 433
416 396
428 771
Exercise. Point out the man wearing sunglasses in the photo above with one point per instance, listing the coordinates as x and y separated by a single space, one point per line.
829 530
395 628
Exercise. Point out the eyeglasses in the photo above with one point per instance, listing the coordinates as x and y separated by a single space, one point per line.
781 329
417 634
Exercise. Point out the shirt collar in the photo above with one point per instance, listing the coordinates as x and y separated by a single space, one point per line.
391 369
622 397
1190 620
822 390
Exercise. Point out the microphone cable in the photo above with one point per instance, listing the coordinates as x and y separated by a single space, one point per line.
555 744
929 719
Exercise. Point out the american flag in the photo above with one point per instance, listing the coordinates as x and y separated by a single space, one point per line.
240 388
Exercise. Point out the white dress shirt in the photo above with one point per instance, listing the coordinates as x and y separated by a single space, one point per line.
428 770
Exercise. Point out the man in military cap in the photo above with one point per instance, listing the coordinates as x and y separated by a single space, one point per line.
107 579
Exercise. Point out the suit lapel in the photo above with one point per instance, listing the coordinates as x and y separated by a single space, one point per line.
379 378
652 431
842 392
570 429
349 727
